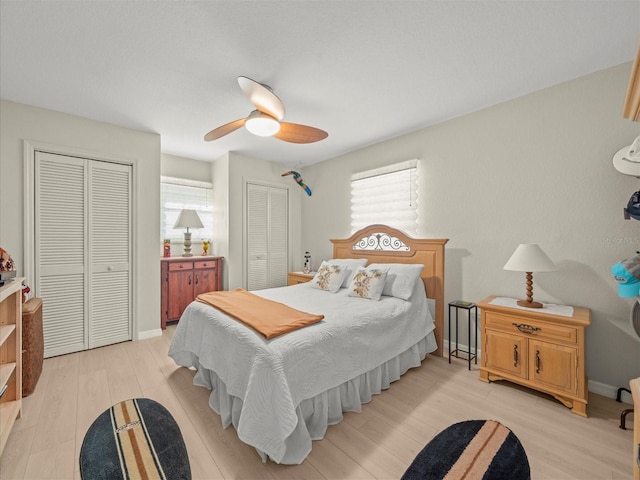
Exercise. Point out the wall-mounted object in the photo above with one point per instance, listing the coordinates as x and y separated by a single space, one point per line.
298 178
627 159
631 107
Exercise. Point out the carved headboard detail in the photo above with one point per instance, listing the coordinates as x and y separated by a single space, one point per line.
383 244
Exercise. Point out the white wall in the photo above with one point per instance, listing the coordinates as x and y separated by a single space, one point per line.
187 168
21 122
535 169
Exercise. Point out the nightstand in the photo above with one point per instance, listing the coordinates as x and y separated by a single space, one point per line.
293 278
537 349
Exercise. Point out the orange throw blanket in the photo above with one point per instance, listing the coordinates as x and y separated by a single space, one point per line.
266 316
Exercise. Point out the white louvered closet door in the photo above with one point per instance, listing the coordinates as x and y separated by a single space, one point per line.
60 252
109 253
267 236
82 251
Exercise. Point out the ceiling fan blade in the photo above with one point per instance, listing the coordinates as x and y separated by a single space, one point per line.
262 97
295 133
224 130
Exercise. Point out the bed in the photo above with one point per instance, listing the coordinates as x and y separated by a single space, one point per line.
282 393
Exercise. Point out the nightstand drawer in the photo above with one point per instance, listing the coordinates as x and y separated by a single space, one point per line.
533 328
211 264
180 266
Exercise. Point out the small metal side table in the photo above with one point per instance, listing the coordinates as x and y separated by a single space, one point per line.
469 354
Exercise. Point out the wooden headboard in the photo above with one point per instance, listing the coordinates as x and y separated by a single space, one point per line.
383 244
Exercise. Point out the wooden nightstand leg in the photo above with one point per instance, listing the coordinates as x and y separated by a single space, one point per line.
484 376
579 408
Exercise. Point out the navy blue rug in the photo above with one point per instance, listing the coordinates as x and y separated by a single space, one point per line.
137 438
475 449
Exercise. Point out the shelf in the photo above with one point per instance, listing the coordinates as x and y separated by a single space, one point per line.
8 413
5 332
5 373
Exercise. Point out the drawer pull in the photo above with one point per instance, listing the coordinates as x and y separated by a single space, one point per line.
515 355
537 361
526 328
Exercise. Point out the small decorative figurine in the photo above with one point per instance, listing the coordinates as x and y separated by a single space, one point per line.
307 262
205 246
167 248
298 178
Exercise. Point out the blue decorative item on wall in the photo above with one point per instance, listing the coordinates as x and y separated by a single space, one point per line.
298 178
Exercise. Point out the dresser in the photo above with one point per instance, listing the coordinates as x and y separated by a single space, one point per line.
10 357
183 279
293 278
536 349
635 392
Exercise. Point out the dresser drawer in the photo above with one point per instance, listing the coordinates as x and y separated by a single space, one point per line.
205 264
173 266
532 328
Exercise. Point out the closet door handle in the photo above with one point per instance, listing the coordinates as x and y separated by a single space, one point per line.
515 355
537 361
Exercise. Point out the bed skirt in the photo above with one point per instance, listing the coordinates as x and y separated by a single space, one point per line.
316 413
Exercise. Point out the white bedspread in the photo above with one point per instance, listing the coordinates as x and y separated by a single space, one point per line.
272 377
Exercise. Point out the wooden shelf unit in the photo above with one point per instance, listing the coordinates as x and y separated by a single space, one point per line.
10 357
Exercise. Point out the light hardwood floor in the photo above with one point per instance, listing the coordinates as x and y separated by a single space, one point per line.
379 442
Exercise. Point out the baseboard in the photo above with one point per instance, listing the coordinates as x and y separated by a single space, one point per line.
595 387
157 332
610 391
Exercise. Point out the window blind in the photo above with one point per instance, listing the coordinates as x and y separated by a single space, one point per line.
387 195
176 194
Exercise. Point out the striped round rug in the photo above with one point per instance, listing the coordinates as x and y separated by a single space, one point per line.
470 450
136 438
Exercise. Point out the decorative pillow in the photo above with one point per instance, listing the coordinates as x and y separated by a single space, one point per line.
329 277
368 283
401 278
351 264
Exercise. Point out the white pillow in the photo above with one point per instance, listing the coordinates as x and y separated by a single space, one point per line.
351 264
401 278
329 277
368 283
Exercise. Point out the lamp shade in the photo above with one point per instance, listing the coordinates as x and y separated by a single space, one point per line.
261 124
188 219
529 257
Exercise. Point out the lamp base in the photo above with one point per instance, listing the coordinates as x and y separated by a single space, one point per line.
187 245
524 303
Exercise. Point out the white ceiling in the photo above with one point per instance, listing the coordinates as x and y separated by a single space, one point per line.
364 71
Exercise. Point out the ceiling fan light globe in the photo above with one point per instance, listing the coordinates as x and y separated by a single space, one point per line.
262 124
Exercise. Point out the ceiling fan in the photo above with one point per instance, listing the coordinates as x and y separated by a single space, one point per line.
266 120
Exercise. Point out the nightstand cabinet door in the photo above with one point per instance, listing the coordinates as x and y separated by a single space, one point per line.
553 366
205 278
180 292
506 353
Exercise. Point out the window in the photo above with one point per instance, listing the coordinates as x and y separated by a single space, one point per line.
387 195
176 194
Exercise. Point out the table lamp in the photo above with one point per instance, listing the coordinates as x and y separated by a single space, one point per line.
188 219
529 258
